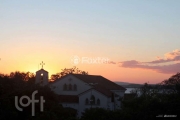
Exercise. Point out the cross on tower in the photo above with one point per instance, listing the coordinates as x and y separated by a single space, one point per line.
42 64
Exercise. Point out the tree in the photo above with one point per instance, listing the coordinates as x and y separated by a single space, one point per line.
17 84
172 84
66 71
96 114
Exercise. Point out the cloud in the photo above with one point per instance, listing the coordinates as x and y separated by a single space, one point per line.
166 69
172 68
168 57
131 63
173 55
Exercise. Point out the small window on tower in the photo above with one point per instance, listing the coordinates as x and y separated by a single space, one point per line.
41 80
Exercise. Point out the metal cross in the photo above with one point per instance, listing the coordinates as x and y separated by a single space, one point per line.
42 64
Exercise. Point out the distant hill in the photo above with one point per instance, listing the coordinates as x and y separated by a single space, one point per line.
122 83
129 85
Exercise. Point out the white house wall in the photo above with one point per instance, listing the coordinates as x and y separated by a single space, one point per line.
110 104
117 103
82 98
83 92
57 87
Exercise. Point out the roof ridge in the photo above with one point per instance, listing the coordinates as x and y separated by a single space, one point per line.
84 75
113 82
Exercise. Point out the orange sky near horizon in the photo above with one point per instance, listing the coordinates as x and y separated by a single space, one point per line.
27 56
112 72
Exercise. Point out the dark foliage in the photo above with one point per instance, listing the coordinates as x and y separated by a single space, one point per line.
22 84
163 99
65 71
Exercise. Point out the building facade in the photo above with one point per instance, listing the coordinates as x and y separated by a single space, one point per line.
88 91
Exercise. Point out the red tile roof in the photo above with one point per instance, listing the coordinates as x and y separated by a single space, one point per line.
101 81
101 84
68 98
105 92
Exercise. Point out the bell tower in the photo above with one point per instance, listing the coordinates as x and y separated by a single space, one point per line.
42 76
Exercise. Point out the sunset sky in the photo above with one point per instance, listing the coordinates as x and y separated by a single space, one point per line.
139 38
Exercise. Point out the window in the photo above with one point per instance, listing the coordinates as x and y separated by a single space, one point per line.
98 101
65 87
70 87
75 87
41 80
86 101
92 99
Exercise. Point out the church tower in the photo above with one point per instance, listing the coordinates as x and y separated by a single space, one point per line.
42 76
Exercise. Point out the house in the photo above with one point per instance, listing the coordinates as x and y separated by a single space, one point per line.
85 91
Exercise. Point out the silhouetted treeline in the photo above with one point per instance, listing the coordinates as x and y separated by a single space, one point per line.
66 71
162 99
22 84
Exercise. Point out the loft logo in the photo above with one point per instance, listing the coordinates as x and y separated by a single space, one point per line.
33 101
